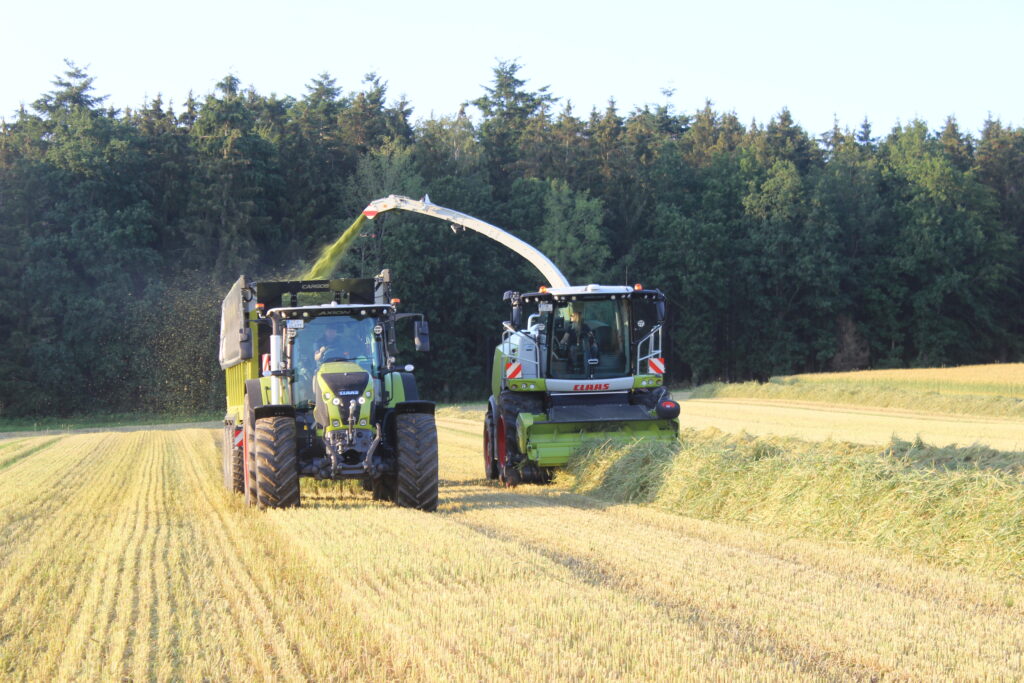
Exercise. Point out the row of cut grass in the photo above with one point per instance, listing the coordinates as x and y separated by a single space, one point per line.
950 506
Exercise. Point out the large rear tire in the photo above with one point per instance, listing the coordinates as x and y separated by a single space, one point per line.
417 461
277 470
513 466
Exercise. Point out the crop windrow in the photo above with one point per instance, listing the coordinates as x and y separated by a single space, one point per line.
948 506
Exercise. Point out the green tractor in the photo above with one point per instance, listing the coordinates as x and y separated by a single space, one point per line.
587 365
313 390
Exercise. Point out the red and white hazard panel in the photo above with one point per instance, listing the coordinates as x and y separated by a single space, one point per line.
513 369
265 358
238 437
656 365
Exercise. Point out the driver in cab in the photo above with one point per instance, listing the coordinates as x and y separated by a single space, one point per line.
344 344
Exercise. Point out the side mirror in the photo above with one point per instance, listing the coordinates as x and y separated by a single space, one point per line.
421 332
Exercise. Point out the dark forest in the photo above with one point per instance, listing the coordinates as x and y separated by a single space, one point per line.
781 250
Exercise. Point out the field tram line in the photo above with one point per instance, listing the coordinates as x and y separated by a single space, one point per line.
144 617
8 459
68 531
130 593
226 549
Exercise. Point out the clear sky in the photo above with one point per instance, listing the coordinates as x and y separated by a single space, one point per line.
887 61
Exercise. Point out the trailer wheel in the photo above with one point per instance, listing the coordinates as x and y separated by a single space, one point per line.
249 453
232 457
225 458
277 471
417 461
490 457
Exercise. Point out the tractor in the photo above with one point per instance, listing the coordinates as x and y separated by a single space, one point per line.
587 364
314 390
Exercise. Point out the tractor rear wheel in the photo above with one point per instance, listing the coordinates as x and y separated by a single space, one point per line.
277 470
490 457
417 461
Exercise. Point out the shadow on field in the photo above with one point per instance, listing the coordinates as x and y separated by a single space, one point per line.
455 496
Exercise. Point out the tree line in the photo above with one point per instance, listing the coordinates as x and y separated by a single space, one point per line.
780 251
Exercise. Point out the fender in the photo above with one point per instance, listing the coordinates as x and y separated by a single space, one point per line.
257 390
415 407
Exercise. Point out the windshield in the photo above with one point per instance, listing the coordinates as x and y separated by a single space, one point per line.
331 338
589 340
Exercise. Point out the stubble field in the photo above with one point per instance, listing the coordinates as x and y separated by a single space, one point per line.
123 557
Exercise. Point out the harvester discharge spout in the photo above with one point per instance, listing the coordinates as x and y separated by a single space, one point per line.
549 270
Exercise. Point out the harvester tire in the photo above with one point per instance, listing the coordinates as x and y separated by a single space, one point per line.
490 456
234 474
512 404
277 471
417 461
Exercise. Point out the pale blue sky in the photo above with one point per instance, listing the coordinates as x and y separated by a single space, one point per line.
889 61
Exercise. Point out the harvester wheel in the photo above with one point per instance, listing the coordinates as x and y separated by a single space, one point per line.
510 460
417 461
234 474
490 457
277 471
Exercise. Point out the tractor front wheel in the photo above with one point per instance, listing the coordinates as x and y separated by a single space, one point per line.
416 486
277 471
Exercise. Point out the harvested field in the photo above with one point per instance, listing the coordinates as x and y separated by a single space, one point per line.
995 390
124 558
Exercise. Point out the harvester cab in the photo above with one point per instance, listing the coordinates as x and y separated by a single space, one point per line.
587 364
314 390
